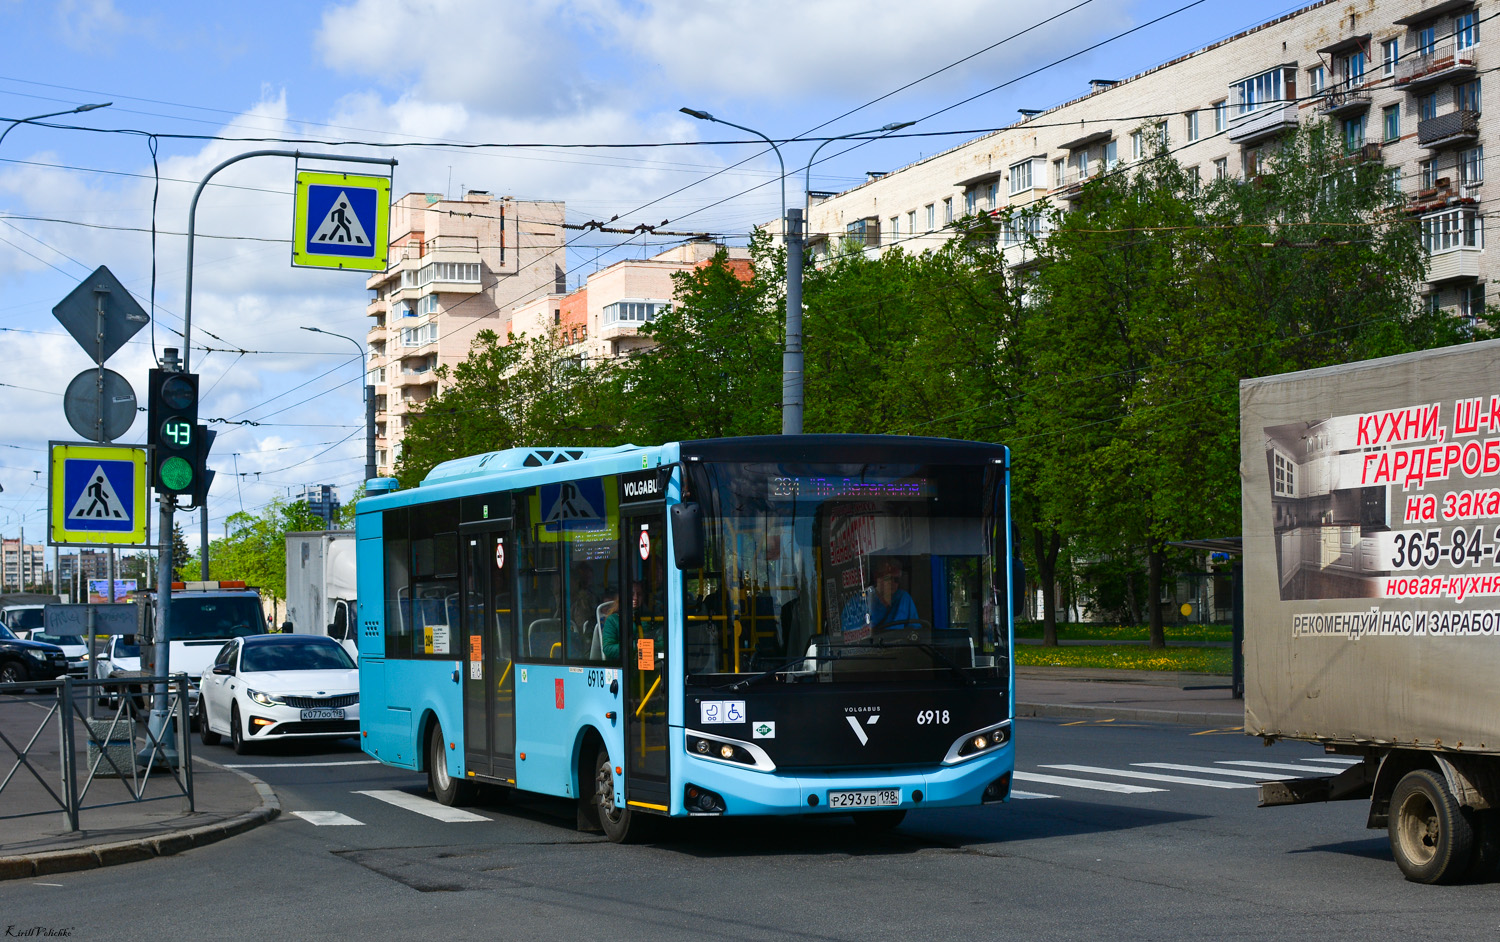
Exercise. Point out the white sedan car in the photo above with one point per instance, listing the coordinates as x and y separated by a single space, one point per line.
268 687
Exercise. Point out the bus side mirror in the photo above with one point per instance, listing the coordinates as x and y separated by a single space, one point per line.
1017 587
687 535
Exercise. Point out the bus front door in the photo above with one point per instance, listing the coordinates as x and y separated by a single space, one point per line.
489 684
647 673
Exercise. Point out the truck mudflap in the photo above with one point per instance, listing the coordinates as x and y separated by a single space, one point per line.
1356 781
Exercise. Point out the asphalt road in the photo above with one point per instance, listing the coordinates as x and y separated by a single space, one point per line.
1105 840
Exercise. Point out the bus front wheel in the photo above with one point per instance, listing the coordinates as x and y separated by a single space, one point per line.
621 825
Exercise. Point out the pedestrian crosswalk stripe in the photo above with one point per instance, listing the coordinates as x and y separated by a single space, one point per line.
1149 776
1116 787
1336 760
1025 795
326 818
1276 765
422 806
1174 767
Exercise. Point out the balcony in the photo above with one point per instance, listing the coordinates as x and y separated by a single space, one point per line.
1343 100
375 334
1444 62
1455 127
1268 120
1460 264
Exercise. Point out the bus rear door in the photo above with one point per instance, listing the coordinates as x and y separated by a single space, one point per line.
489 682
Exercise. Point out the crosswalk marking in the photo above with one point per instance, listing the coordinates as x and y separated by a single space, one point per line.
1149 776
1275 765
1116 787
299 765
422 806
1023 795
1336 760
1174 767
326 818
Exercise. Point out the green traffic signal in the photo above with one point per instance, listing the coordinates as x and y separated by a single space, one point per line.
176 474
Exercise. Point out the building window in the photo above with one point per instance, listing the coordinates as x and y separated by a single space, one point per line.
864 231
1111 154
948 211
1426 40
1427 106
1255 93
971 201
1427 174
1471 165
895 228
1354 67
427 304
990 191
1466 96
1221 116
1471 303
1059 172
931 217
463 272
1021 228
1221 168
1432 303
1354 133
1020 177
1195 181
1317 79
1137 145
1452 229
911 222
1192 125
419 336
633 312
1389 52
1393 180
1466 29
1390 120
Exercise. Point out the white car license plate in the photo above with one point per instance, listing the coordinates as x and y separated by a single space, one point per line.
867 798
323 714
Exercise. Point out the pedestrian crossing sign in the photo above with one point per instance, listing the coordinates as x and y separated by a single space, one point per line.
341 220
97 495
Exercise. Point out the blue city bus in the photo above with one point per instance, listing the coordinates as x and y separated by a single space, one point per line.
811 624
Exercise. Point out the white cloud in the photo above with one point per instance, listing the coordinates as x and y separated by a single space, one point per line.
90 24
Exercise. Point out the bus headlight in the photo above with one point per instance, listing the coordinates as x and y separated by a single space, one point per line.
978 743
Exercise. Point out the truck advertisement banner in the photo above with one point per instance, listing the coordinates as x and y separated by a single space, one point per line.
1371 503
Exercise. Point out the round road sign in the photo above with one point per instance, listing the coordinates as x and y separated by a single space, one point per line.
84 397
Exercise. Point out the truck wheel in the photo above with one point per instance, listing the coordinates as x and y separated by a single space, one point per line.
1431 837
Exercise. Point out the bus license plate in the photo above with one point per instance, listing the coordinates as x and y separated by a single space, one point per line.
868 798
323 714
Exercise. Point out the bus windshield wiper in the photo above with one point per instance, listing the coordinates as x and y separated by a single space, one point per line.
934 652
799 659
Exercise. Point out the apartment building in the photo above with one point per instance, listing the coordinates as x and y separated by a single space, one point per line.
22 567
455 265
1399 79
602 319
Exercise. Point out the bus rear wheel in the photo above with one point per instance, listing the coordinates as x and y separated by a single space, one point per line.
621 825
444 787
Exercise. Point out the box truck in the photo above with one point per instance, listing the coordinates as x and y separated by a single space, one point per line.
1371 503
320 586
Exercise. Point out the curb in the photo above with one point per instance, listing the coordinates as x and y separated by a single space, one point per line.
172 842
1176 717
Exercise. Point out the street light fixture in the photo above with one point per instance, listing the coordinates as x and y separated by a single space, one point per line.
369 401
52 114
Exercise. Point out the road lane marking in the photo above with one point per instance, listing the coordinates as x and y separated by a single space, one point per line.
326 818
1149 776
1336 760
300 765
1115 787
1174 767
1025 795
422 806
1275 765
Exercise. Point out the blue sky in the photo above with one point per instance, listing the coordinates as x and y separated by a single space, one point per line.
454 71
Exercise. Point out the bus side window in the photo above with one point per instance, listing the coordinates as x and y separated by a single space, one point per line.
540 600
398 614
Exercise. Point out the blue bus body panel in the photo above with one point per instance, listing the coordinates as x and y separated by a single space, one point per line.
415 695
555 706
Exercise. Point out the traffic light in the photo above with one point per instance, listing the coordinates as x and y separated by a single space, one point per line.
203 478
173 431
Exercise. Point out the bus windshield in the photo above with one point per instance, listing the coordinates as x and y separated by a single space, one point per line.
845 572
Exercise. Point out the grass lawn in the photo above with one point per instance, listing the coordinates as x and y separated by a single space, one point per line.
1067 633
1126 657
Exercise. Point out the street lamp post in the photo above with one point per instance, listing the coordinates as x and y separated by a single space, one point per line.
52 114
369 401
791 357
